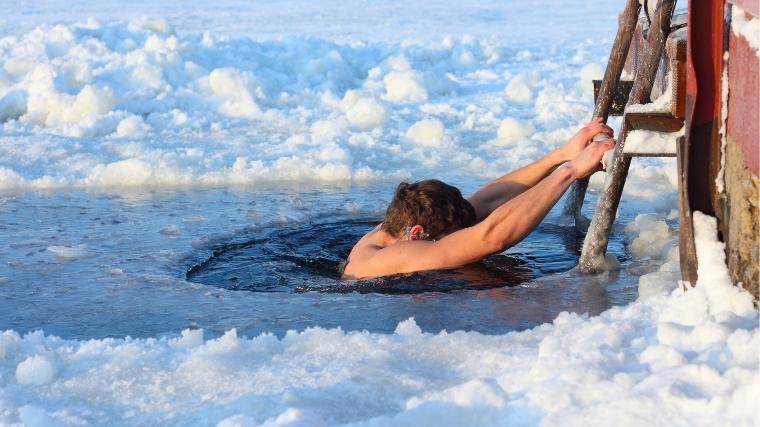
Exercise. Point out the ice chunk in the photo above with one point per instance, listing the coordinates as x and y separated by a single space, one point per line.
9 179
124 172
35 416
238 420
408 328
653 236
657 283
327 130
519 90
35 370
512 131
405 86
367 114
171 230
69 252
12 105
132 126
238 91
427 133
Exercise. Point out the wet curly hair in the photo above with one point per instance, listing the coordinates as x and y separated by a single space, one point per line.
433 204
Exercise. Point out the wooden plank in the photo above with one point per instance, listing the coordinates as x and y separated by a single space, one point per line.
686 247
658 122
676 52
642 154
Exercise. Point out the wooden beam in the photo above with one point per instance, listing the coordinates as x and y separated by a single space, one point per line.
687 249
658 122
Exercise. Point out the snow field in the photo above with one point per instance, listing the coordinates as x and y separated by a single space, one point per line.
138 103
133 103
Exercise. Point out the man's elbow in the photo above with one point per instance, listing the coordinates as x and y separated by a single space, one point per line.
493 238
492 245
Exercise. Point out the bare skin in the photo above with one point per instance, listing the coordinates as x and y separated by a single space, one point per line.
507 209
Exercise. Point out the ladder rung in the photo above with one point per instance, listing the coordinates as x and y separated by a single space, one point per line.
627 154
660 122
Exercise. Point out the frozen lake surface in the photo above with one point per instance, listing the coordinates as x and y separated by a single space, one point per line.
176 181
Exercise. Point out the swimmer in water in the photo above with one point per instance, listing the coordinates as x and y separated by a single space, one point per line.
429 225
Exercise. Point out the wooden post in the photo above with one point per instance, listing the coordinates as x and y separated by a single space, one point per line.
597 237
687 249
626 27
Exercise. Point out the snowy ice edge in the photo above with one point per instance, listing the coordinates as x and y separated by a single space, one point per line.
674 357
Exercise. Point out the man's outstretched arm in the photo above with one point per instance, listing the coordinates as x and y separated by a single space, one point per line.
499 191
506 226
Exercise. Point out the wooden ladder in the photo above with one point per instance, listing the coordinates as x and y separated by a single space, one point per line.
639 116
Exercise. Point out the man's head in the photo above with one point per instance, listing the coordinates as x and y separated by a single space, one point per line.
437 207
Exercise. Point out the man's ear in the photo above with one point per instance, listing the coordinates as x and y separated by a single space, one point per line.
416 230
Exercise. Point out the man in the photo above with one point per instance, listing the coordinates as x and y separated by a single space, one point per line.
429 225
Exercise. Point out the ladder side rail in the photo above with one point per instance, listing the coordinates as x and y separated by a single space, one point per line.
597 237
626 28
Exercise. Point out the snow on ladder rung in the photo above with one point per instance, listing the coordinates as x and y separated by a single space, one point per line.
649 143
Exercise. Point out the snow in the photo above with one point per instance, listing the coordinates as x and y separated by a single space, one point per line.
653 236
137 103
712 269
720 178
663 103
518 90
405 86
35 370
655 240
652 142
427 133
747 28
237 95
512 131
367 114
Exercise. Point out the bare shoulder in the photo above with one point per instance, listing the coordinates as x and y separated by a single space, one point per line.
363 251
378 254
